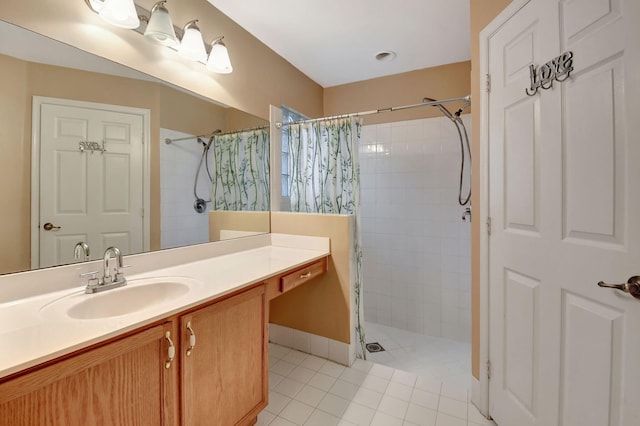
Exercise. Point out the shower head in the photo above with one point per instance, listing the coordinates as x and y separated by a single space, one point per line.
466 105
215 132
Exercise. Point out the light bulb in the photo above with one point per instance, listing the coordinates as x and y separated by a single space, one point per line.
219 61
192 45
121 13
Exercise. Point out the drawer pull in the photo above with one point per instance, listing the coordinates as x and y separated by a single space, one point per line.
307 275
171 351
192 339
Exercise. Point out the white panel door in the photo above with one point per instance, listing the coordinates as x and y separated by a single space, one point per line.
564 189
90 196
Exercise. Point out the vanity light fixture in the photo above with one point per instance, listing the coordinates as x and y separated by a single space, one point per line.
219 58
157 27
121 13
192 45
160 28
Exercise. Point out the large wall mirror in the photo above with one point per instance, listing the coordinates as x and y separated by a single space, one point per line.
94 152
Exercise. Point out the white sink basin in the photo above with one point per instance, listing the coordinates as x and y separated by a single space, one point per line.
136 296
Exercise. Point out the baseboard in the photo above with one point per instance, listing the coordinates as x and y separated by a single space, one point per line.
323 347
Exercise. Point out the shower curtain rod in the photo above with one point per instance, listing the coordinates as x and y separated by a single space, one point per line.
217 132
467 98
186 138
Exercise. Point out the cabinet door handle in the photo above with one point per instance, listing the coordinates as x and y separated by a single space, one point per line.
192 339
307 275
171 351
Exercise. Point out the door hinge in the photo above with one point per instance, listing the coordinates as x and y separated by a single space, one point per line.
489 225
487 86
142 212
488 370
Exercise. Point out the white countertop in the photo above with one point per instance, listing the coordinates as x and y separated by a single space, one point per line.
31 333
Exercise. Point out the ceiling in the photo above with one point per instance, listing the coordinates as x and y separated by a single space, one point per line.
335 42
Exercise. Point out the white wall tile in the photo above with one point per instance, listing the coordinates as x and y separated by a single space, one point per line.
417 258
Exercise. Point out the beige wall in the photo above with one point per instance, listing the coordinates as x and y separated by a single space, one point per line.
15 248
260 76
482 12
443 82
237 221
20 80
322 306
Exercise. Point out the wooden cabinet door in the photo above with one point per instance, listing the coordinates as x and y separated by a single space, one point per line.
120 383
224 378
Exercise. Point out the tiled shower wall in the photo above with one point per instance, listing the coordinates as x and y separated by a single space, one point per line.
416 248
180 224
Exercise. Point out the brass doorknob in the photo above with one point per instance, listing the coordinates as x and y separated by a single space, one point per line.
632 286
50 227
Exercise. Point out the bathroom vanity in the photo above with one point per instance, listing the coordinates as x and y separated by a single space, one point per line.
182 345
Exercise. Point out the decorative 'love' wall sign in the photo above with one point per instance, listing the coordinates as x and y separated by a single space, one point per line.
557 69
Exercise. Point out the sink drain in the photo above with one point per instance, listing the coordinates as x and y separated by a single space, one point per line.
374 347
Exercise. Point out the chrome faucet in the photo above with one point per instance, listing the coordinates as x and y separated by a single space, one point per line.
81 249
112 277
108 276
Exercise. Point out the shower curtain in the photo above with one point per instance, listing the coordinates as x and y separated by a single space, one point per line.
240 175
325 178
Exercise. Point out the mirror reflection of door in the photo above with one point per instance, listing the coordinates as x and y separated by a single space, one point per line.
91 186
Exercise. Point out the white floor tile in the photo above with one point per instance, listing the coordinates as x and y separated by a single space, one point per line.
283 367
320 418
446 420
274 379
296 412
455 392
420 415
425 382
404 377
279 421
313 362
295 357
368 398
381 371
429 385
265 418
400 391
375 383
352 376
382 419
331 369
453 407
425 399
301 374
359 414
333 404
277 402
310 395
393 406
288 387
344 389
322 381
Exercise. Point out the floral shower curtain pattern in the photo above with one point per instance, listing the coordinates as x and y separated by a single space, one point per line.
325 178
240 175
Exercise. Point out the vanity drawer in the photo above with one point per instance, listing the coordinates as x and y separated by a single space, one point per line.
301 276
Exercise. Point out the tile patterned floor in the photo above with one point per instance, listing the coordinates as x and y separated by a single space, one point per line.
311 391
430 357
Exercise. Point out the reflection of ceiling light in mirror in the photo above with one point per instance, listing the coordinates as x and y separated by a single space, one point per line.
219 61
121 13
192 44
160 28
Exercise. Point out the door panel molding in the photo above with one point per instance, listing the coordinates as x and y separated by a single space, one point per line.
73 128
